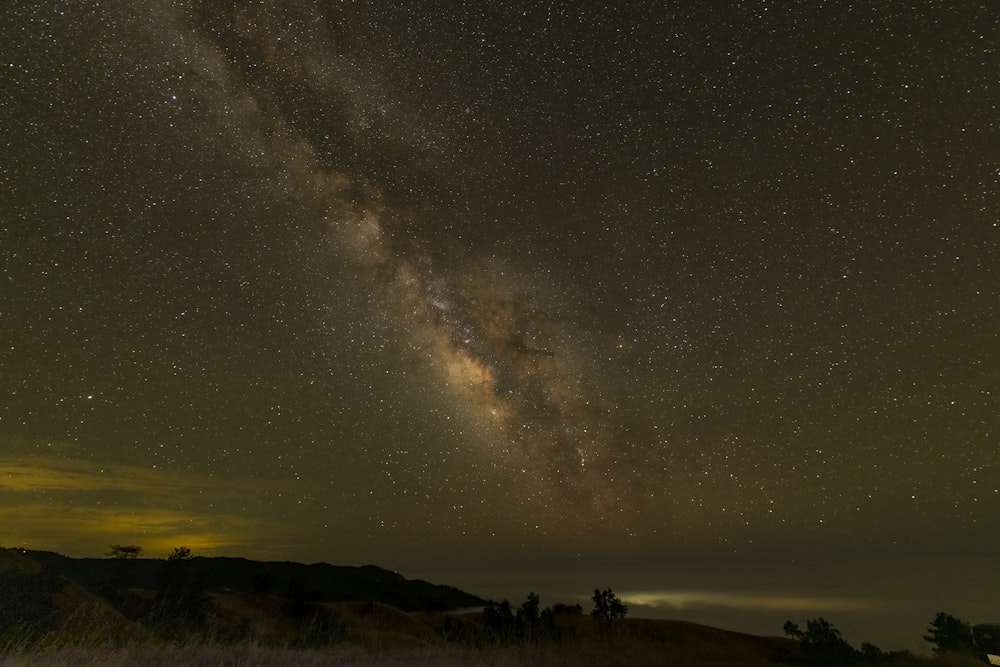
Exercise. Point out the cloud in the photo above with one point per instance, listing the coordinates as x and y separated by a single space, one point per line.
53 474
744 601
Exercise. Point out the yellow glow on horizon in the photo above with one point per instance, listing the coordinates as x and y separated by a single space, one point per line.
54 503
89 530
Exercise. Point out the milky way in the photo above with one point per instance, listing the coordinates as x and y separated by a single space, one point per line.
474 324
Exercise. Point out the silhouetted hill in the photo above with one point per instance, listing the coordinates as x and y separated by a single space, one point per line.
34 600
319 582
356 615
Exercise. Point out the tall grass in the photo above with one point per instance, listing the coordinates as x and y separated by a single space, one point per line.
249 655
385 651
375 641
244 632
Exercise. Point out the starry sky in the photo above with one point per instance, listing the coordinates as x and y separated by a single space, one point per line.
696 300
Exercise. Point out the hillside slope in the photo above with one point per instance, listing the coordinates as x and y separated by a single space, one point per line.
319 582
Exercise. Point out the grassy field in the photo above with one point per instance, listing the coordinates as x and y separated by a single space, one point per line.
623 651
253 630
366 634
581 653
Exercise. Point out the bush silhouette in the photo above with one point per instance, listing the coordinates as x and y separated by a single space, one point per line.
822 643
607 606
529 624
950 635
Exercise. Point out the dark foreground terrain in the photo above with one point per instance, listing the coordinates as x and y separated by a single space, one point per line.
205 611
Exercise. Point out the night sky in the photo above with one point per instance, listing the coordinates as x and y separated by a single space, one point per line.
696 300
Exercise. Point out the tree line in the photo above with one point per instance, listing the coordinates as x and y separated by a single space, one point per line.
502 623
823 645
182 602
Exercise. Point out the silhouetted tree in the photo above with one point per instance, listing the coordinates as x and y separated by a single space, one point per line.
607 606
118 580
528 620
124 552
873 653
180 553
950 635
183 598
528 624
822 644
499 621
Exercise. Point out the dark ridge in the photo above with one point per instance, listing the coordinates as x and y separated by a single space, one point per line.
318 582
